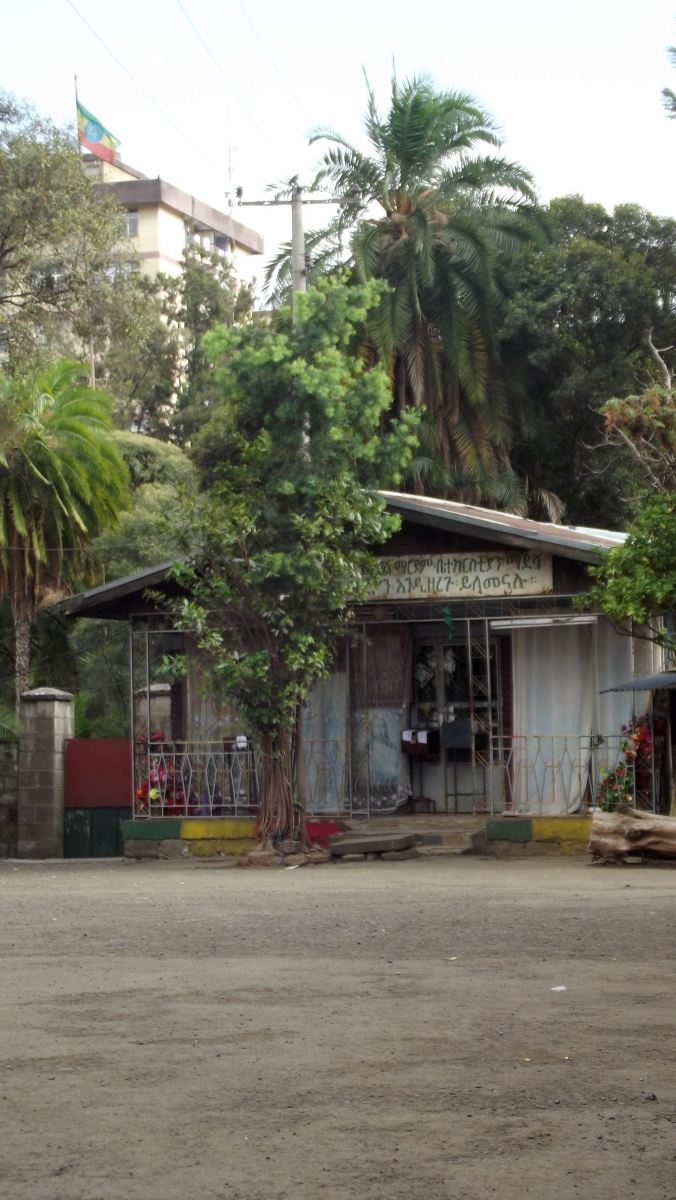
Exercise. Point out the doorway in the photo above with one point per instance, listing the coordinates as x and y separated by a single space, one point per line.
457 689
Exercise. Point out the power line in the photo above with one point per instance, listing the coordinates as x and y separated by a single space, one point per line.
219 68
69 549
283 78
141 88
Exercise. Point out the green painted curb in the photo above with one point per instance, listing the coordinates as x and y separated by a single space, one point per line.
510 830
154 830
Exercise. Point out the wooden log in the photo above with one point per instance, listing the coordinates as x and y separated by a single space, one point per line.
627 831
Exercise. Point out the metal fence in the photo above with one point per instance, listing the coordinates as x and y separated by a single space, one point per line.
516 774
196 779
562 773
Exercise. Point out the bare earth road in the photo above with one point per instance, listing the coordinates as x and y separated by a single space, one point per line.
379 1031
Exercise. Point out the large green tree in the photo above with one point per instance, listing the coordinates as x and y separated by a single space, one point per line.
574 334
154 363
63 255
431 214
279 543
62 481
635 584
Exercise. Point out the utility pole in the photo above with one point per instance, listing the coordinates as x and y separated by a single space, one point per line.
298 270
298 266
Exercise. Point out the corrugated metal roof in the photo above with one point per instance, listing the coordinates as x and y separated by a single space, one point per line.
569 541
565 540
117 589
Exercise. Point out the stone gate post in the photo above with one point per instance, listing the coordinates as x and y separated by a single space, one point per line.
46 724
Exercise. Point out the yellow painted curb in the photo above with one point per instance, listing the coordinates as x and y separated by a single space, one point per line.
561 829
213 827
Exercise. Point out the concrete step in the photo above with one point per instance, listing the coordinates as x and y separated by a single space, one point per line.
461 840
440 851
371 843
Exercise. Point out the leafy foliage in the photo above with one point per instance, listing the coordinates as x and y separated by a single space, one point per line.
145 533
433 218
573 335
139 362
155 364
64 260
280 544
636 582
646 424
62 482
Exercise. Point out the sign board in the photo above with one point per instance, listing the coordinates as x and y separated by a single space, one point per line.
465 576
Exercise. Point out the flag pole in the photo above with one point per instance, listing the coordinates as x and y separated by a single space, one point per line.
77 121
92 362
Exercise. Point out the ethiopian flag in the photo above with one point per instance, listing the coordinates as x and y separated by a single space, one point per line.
95 136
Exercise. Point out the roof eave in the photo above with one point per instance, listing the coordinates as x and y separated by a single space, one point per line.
107 593
564 547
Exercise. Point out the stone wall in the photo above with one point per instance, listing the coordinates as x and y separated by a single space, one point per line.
9 783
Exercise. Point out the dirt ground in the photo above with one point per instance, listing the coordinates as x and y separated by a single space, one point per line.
371 1031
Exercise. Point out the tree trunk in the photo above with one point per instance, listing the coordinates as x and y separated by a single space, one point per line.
628 831
22 658
275 814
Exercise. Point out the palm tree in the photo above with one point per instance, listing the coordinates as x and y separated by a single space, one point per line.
62 481
434 220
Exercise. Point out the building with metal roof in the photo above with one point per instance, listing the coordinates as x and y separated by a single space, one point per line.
469 681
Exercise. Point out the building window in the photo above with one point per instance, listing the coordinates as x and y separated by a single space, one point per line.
132 222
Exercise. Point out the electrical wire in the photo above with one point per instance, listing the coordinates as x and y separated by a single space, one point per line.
278 69
219 68
142 89
72 549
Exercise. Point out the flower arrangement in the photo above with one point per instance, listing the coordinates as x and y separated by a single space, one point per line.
615 787
637 740
157 738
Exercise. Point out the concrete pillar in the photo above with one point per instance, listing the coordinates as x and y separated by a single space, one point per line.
46 724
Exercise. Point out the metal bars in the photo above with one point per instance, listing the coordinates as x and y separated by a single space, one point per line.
194 779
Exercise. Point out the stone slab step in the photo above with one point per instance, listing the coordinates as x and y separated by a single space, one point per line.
375 843
441 851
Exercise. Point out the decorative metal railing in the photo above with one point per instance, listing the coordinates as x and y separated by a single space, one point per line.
195 779
563 773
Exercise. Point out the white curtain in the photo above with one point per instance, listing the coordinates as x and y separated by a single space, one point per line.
325 744
566 729
614 663
554 680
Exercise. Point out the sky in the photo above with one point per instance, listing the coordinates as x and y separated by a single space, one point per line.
575 86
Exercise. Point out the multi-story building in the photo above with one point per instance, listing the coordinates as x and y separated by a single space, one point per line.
163 220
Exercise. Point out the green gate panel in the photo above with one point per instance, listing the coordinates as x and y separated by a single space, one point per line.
77 833
105 829
123 814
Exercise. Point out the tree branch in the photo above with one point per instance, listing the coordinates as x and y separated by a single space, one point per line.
664 370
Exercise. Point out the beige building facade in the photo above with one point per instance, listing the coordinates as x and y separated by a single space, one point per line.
163 219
